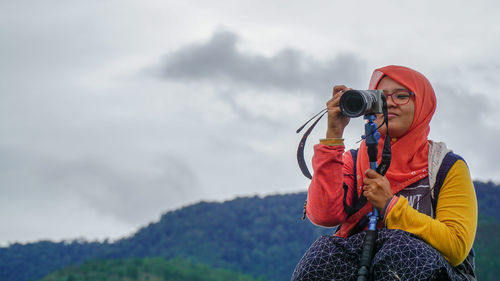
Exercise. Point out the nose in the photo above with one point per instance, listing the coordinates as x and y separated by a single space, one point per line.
390 102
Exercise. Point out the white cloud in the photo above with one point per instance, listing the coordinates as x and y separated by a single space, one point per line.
91 142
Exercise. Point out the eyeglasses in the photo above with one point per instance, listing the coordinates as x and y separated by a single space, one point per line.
399 96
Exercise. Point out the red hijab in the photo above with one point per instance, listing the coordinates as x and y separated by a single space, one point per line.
409 152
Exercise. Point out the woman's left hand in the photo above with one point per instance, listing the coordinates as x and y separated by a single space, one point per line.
376 189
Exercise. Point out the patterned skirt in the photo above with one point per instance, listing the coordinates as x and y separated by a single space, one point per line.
399 255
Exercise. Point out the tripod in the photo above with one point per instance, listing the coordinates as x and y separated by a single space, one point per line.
372 137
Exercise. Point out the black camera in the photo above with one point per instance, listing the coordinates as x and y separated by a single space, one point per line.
355 103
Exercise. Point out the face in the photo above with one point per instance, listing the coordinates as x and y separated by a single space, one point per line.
400 116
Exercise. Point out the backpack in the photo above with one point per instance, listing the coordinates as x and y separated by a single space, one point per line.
467 267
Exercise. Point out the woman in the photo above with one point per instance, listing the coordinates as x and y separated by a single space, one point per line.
420 237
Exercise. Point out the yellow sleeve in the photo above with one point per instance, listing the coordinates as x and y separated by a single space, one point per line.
453 230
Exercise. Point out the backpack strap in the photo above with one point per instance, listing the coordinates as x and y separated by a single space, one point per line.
467 267
449 160
357 202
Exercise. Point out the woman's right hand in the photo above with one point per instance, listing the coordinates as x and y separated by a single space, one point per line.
336 120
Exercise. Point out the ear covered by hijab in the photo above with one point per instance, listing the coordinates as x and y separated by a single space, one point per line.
409 152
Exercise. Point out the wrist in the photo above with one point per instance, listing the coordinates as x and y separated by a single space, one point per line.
334 134
388 206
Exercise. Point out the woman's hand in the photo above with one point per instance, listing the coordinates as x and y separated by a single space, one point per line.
336 120
376 189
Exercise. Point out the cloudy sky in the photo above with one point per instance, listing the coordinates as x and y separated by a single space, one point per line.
114 112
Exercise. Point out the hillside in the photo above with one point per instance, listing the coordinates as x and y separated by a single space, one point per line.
257 236
145 269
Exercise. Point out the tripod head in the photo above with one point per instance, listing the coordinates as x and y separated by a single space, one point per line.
372 137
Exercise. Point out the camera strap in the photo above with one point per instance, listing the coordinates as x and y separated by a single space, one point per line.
386 150
300 149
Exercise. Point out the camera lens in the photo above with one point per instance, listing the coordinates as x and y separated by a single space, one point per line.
354 103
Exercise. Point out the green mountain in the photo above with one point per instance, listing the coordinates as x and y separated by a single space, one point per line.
254 235
145 269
